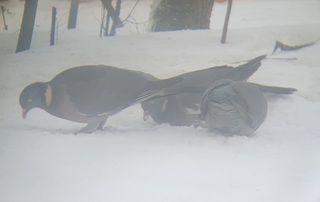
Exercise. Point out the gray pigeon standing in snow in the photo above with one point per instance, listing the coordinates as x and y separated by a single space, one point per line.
233 107
90 94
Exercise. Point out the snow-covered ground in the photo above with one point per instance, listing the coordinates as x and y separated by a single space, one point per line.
133 160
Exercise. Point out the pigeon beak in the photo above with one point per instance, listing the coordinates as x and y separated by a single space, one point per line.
24 113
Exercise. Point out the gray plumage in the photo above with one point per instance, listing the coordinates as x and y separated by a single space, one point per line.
233 107
176 110
203 78
183 109
90 94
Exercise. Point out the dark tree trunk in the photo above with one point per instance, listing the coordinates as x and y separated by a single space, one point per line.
116 24
73 14
4 18
114 15
106 29
181 14
29 16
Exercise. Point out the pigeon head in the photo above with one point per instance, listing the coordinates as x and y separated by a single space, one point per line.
33 96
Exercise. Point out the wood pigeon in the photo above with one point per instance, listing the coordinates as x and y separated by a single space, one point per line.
183 109
233 107
90 94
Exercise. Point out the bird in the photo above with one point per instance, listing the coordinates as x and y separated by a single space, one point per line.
183 109
233 107
91 93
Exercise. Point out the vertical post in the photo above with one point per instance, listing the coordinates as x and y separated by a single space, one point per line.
26 31
73 14
102 20
53 25
4 19
226 22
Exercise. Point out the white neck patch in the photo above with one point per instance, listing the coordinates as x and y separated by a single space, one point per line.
48 95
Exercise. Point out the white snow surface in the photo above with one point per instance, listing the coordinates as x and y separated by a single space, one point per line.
132 160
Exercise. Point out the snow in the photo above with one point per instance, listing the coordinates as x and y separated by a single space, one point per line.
132 160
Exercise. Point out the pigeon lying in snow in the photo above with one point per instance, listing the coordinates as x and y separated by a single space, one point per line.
233 107
183 109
